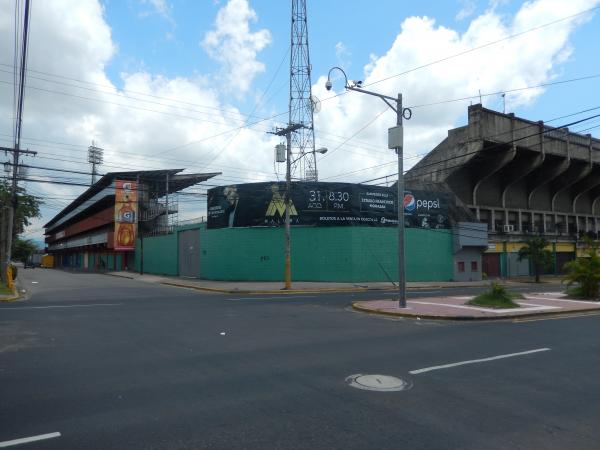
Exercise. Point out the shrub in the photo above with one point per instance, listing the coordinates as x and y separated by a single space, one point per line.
585 272
496 297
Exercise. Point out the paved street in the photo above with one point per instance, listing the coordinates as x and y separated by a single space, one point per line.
113 363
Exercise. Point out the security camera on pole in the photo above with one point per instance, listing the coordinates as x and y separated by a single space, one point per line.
395 141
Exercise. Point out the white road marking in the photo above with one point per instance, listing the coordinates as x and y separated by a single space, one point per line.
474 361
34 282
535 306
490 310
270 298
26 440
586 302
65 306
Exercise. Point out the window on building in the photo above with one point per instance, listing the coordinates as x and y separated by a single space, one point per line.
461 266
473 266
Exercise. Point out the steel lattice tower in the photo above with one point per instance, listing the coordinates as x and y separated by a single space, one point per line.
301 105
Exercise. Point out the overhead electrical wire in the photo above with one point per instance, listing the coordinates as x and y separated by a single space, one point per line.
503 133
498 145
453 56
489 44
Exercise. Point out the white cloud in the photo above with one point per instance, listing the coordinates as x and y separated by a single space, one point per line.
72 38
528 60
342 55
236 47
468 8
158 7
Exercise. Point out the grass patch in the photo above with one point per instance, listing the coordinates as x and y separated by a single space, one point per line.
497 297
4 290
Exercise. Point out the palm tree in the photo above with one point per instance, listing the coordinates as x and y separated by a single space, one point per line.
535 250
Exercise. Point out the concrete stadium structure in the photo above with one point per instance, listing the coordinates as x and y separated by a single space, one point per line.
520 177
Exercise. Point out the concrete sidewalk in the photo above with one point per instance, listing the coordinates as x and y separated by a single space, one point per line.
270 287
456 307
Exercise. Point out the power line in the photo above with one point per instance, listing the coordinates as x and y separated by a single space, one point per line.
182 116
511 142
122 92
502 133
249 126
507 91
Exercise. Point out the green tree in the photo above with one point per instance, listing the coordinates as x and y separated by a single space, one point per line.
586 272
535 250
28 208
22 249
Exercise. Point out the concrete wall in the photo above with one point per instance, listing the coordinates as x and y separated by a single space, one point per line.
160 255
466 257
342 254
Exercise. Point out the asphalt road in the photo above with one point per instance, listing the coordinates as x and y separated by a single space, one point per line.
112 363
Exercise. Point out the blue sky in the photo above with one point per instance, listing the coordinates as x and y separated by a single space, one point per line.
164 84
169 43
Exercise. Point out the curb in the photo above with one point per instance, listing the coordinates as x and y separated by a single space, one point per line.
357 288
302 291
282 291
16 296
473 318
120 276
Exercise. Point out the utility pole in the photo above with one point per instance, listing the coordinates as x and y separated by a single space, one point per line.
7 229
396 141
287 132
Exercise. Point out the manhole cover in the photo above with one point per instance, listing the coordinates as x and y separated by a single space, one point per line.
384 383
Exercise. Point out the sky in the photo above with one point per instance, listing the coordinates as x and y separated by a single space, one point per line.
198 85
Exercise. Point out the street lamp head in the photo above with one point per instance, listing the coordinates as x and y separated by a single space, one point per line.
328 84
321 150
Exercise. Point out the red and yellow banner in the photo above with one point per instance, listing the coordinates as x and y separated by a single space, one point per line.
126 211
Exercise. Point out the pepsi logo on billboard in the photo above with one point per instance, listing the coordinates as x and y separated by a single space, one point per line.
409 202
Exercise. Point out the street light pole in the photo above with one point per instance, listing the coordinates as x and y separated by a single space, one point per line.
395 141
401 255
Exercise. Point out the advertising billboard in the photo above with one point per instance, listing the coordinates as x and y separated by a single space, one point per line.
126 212
322 204
427 209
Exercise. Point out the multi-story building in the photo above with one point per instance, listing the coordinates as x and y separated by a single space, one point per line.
99 229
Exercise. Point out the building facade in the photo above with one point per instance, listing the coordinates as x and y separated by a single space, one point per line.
98 231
